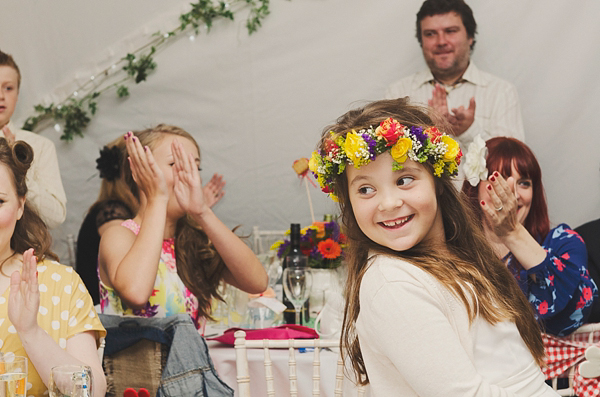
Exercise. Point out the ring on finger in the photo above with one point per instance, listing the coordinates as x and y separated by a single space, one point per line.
499 208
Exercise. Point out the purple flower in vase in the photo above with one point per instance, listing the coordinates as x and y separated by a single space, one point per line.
283 248
332 229
315 254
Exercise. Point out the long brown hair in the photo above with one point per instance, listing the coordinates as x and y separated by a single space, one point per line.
503 152
198 263
494 295
30 231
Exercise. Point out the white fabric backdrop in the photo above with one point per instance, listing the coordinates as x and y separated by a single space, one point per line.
256 103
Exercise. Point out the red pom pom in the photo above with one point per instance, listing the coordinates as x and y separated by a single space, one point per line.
144 393
130 392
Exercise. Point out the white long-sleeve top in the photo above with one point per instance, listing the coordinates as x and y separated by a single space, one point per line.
416 340
45 189
497 108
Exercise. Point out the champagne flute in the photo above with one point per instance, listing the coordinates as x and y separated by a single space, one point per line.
297 282
13 375
70 381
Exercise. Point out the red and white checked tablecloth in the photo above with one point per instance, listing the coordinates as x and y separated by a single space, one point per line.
562 353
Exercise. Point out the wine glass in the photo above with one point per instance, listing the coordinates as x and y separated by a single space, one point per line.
70 381
13 375
297 282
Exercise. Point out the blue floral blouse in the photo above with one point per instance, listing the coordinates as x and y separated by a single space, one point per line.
563 290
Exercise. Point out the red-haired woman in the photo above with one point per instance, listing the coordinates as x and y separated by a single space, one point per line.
550 265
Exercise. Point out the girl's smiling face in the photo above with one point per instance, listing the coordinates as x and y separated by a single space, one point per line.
395 209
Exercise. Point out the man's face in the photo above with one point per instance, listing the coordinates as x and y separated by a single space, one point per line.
446 46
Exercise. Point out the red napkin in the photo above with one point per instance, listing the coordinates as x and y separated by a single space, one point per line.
287 331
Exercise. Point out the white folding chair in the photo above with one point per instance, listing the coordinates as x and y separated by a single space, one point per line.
591 332
243 375
263 239
101 347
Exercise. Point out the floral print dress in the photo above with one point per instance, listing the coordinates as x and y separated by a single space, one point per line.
169 296
562 292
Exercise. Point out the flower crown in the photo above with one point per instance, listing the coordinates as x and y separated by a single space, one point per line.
360 148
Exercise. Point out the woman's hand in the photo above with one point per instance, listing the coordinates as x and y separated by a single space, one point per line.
187 183
24 298
146 173
501 211
213 190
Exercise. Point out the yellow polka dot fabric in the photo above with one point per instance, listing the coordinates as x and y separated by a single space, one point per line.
66 309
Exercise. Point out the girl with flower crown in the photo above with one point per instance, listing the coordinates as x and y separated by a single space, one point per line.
171 257
429 311
550 265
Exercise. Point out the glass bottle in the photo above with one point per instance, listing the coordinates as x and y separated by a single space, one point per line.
294 258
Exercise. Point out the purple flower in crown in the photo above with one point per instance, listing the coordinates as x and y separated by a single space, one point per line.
419 134
371 143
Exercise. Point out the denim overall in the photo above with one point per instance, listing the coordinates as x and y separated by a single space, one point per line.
189 371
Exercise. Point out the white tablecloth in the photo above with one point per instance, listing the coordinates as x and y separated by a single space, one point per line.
223 357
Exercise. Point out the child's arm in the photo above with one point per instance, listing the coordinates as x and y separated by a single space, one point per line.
130 262
43 351
244 270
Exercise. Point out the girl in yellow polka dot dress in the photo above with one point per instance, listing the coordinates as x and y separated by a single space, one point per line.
171 257
46 312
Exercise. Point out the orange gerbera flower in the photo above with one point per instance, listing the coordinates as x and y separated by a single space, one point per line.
329 249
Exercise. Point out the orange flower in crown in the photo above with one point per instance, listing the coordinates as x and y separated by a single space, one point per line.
390 130
434 134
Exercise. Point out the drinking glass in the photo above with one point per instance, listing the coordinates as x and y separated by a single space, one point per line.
297 282
70 381
13 375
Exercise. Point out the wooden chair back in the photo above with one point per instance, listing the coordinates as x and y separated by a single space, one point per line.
243 376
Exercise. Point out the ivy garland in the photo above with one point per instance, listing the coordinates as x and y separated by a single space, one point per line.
75 112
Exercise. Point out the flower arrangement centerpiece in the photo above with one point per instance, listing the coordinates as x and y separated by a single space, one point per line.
322 242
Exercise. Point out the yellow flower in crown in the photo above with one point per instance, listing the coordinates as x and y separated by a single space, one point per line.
356 149
400 149
453 148
438 168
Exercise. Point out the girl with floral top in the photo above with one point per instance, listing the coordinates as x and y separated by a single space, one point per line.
550 265
46 313
171 257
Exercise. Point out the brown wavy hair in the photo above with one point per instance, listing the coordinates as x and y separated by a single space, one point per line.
198 263
495 295
30 231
